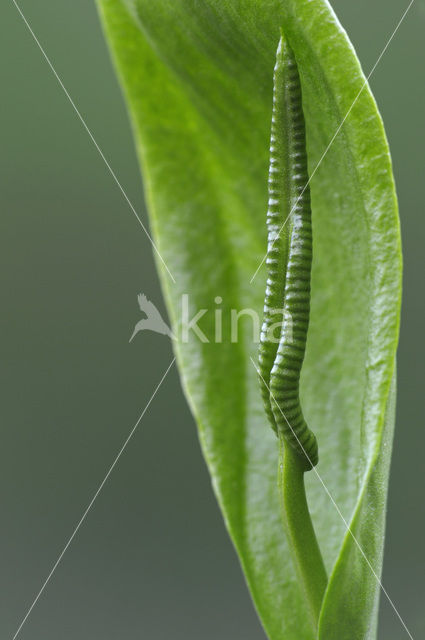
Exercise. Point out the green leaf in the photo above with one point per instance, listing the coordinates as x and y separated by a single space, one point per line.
198 81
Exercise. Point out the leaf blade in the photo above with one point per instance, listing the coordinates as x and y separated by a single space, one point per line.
191 92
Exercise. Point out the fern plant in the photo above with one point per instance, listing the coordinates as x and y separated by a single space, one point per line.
198 80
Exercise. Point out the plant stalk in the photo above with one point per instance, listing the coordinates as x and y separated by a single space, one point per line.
302 538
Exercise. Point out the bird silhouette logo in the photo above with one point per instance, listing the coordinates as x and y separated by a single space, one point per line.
153 320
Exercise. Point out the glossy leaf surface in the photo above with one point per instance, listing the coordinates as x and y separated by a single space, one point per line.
198 81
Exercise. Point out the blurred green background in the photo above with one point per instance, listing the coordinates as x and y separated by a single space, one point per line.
152 560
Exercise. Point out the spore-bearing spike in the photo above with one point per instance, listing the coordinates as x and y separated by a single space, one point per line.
289 263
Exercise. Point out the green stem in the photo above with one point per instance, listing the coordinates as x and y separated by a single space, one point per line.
302 538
